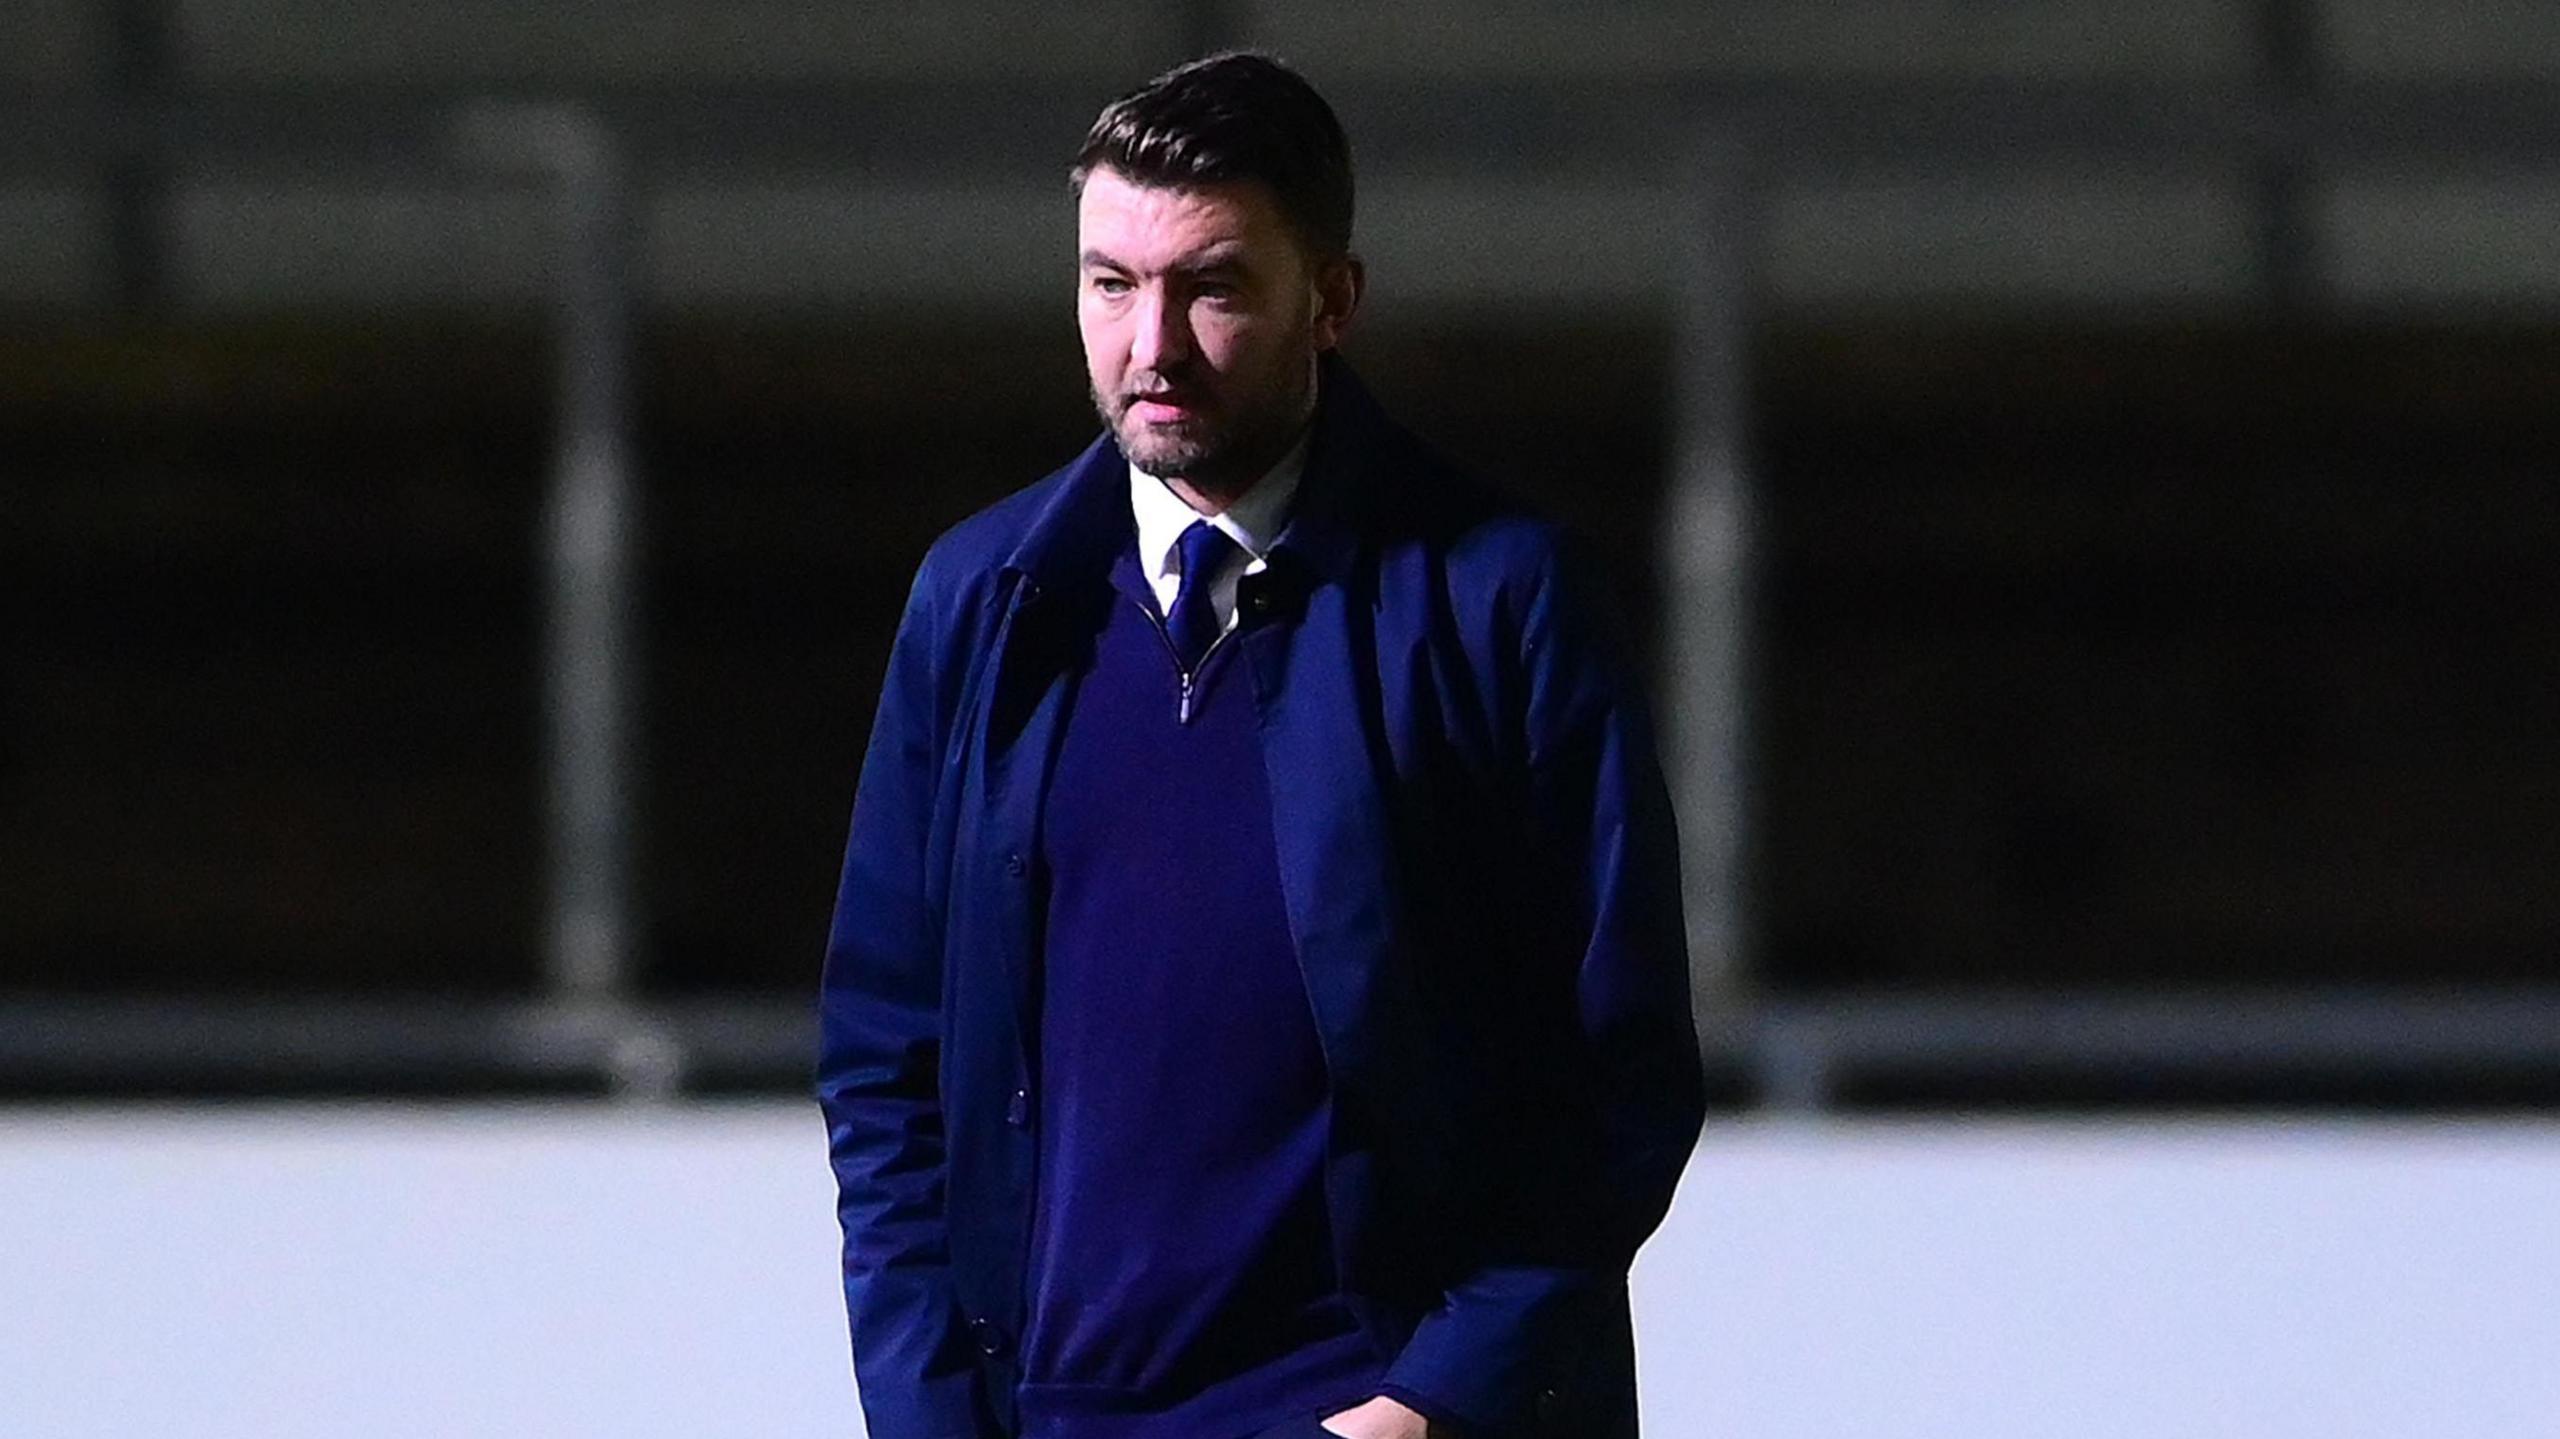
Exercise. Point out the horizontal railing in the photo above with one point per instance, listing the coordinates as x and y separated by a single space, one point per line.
2376 1049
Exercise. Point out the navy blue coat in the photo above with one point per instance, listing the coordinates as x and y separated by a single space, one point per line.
1478 864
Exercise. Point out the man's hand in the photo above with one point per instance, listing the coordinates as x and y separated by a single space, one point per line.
1384 1418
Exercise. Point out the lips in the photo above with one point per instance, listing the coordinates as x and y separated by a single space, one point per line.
1162 409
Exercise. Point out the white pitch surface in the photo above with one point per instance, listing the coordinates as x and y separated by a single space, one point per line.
557 1272
2209 1280
372 1273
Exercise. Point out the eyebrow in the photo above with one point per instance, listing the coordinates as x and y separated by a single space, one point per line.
1226 261
1225 256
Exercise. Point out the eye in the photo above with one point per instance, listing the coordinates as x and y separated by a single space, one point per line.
1110 285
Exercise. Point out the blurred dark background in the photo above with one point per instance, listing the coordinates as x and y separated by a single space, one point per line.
2148 416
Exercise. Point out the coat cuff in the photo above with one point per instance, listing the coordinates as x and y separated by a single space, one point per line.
1484 1360
1431 1407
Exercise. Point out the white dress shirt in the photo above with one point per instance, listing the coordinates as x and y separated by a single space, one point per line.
1253 522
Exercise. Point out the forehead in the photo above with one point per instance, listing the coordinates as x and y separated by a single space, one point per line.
1147 227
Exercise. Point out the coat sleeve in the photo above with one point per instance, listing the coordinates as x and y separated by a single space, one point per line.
1507 1336
880 1043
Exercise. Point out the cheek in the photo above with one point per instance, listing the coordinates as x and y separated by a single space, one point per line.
1106 347
1231 342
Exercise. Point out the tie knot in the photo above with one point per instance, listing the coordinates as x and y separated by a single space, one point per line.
1202 547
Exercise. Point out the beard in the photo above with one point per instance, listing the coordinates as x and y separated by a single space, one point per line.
1224 449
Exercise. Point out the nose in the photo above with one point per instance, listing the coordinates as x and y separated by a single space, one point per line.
1161 339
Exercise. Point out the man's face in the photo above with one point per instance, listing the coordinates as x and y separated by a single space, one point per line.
1202 316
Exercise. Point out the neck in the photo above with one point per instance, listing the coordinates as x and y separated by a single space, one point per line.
1213 492
1207 498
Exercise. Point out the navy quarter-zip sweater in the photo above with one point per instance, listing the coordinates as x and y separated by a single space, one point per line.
1182 1283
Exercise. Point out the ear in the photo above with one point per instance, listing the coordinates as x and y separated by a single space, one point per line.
1339 285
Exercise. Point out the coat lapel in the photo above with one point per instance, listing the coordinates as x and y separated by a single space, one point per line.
1316 680
1055 575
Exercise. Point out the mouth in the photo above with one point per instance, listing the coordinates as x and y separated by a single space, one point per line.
1165 409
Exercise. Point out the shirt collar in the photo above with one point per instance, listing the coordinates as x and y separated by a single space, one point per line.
1253 521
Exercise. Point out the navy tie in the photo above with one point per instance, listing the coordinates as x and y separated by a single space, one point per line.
1193 622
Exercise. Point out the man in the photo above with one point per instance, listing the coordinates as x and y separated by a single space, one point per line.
1256 1001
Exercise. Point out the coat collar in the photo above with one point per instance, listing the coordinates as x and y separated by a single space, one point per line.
1084 523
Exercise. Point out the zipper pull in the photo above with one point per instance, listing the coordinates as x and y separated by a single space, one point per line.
1186 699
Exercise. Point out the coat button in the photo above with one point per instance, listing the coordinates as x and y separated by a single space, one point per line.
1259 601
991 1340
1015 865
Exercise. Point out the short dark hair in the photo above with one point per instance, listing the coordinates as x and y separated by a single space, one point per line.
1238 115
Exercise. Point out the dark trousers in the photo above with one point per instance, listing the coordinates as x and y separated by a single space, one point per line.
1310 1426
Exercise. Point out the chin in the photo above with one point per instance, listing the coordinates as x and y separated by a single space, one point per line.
1168 467
1164 455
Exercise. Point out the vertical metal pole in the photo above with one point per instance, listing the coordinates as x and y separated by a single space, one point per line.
589 534
587 636
1706 565
1208 26
2290 84
139 70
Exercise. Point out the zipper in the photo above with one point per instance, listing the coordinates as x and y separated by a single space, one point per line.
1182 712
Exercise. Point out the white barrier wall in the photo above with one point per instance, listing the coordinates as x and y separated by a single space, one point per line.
560 1272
